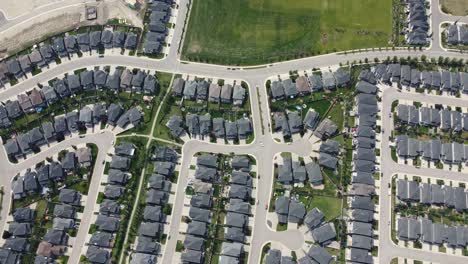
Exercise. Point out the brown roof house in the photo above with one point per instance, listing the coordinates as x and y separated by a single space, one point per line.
25 103
36 98
201 187
302 85
46 249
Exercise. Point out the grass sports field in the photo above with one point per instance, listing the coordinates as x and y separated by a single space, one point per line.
455 7
249 32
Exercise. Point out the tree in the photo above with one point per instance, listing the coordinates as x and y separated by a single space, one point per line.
446 61
440 60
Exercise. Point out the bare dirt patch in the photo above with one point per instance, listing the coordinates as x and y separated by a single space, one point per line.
455 7
194 47
28 36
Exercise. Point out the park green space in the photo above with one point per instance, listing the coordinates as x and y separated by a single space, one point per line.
248 32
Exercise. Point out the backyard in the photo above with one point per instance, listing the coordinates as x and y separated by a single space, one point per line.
331 207
254 32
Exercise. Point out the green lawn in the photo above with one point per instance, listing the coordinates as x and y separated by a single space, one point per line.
281 227
336 115
41 207
248 32
330 207
320 107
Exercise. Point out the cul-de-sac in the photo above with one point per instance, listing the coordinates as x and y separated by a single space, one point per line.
233 131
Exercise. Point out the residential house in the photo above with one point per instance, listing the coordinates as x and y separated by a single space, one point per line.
106 39
302 85
83 42
202 90
290 89
190 90
175 125
324 234
13 109
328 80
48 54
72 121
214 93
178 86
59 47
131 41
69 196
118 39
126 80
35 96
71 44
150 84
277 90
342 77
86 80
36 59
226 94
311 120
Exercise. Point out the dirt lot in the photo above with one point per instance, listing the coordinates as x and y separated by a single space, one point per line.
41 27
455 7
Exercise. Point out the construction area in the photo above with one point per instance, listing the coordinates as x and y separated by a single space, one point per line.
63 16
